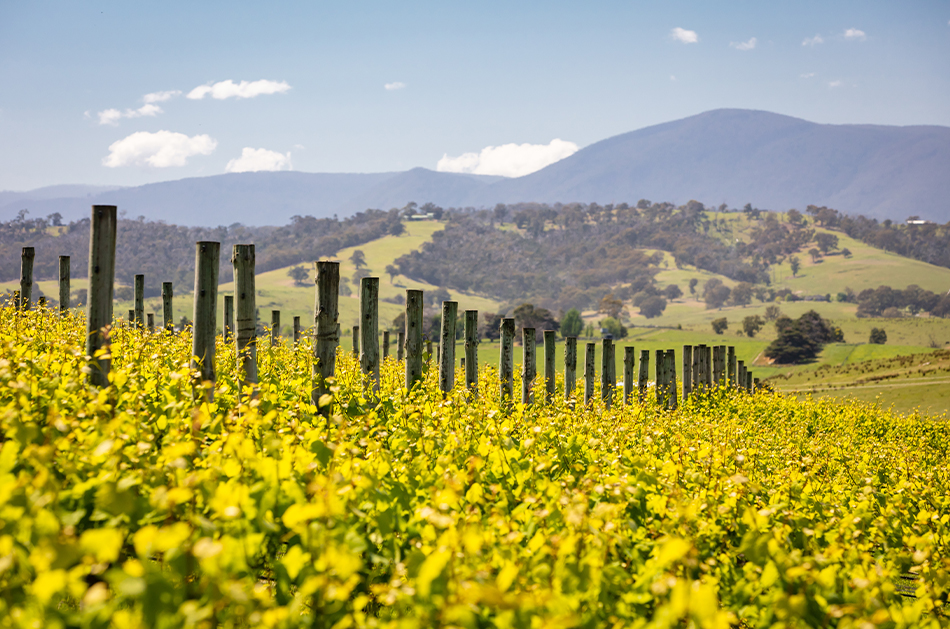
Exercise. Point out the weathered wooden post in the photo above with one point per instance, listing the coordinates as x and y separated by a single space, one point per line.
26 277
707 367
228 317
413 337
732 365
660 370
687 371
274 327
608 372
369 328
570 366
205 326
245 306
748 381
428 350
695 374
385 344
755 384
471 350
550 378
450 311
718 362
740 374
529 365
671 378
356 341
139 301
589 358
629 360
168 319
643 376
699 381
296 330
101 282
723 366
150 317
327 328
131 318
63 283
506 360
400 344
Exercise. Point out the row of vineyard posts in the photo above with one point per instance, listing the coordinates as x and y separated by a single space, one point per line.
703 366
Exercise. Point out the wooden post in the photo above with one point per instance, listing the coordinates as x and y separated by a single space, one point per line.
385 344
450 311
168 319
748 381
732 365
529 365
228 317
245 307
699 381
413 337
723 366
506 360
696 380
471 350
755 384
589 358
131 318
400 344
643 376
570 366
327 328
629 358
369 328
150 317
671 378
740 374
101 283
274 327
550 379
428 350
63 283
296 330
356 341
139 301
707 367
438 348
205 326
660 370
608 374
687 371
26 277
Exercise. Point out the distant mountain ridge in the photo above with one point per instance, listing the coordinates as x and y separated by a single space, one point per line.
730 156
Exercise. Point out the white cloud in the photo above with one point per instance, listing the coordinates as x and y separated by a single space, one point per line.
813 41
112 116
396 85
253 160
508 160
835 83
807 75
854 34
160 149
744 45
684 36
160 97
244 89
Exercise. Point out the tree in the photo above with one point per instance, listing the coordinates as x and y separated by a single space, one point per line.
715 293
720 325
795 263
572 324
815 255
800 340
55 219
653 306
672 292
436 297
392 272
742 294
610 306
613 327
752 324
491 326
878 336
772 313
299 275
826 242
692 285
541 319
846 252
794 217
358 259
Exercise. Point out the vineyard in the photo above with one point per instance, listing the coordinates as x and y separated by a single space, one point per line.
163 500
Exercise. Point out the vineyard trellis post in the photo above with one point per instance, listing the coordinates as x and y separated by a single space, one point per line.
369 328
732 365
385 344
529 365
413 334
205 325
228 317
400 344
687 371
274 327
719 363
131 321
660 377
589 367
150 318
740 374
607 372
447 345
671 379
707 367
27 255
296 330
99 295
471 350
629 360
356 341
63 283
327 328
570 366
245 334
723 366
506 360
138 292
643 375
696 382
550 379
168 319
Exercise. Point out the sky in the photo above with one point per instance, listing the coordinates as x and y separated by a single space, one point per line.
127 93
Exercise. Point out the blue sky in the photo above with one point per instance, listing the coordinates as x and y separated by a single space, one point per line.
474 87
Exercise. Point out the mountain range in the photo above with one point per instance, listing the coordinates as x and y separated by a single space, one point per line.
730 156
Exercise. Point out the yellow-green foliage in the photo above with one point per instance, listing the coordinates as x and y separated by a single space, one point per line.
140 505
